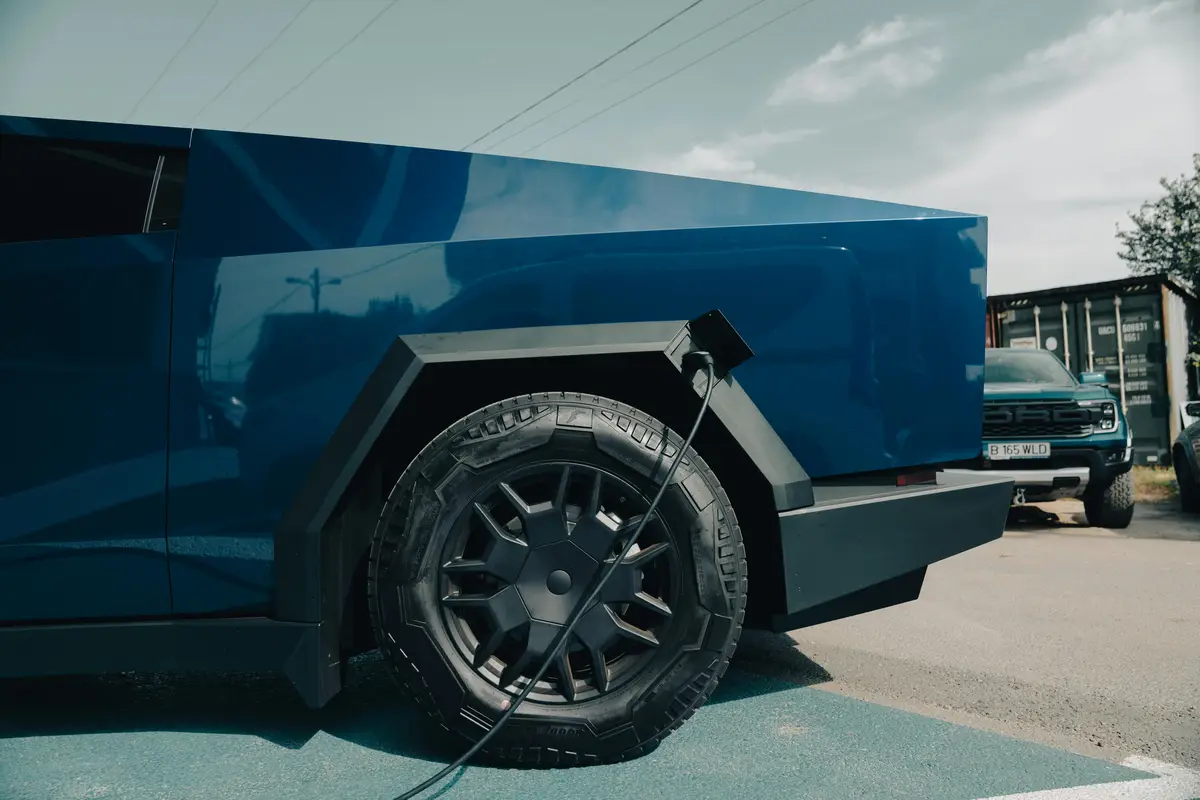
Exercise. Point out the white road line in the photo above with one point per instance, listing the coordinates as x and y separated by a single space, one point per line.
1173 783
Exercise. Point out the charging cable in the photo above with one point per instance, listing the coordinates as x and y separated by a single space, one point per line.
692 362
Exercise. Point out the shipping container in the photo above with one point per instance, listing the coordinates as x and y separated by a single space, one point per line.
1148 363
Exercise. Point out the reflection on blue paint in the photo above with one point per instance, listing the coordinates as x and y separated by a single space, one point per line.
298 261
84 332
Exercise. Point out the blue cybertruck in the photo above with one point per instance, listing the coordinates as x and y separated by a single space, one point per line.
271 402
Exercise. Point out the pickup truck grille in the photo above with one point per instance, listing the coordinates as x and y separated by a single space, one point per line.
1004 419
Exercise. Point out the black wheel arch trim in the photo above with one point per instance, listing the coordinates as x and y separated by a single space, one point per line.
426 382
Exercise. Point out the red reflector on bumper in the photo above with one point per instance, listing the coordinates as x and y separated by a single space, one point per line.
917 478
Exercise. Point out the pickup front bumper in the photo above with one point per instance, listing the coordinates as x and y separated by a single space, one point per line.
1068 472
1042 484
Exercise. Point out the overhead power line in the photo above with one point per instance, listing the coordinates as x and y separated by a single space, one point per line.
667 77
586 72
391 260
171 62
245 68
625 75
322 63
239 330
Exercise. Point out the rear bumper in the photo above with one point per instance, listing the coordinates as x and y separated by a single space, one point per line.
864 546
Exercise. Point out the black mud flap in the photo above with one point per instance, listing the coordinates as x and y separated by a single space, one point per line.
863 547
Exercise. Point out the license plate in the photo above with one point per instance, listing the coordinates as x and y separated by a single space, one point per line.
1007 450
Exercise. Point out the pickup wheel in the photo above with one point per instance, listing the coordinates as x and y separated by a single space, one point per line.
497 530
1110 506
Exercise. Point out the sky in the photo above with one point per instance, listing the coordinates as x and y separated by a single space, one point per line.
1052 117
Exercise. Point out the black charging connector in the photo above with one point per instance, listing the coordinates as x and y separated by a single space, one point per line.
697 360
693 362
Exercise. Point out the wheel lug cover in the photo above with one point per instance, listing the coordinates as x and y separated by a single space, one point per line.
558 582
553 580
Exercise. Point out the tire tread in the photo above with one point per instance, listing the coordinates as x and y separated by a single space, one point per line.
1111 507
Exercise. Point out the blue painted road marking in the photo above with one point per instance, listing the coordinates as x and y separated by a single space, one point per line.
174 737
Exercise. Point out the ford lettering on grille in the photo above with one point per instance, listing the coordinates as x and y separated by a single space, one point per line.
1038 419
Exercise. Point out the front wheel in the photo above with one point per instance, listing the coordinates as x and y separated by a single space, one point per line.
495 533
1110 506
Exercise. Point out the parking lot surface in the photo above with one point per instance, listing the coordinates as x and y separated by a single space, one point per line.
1073 636
1055 664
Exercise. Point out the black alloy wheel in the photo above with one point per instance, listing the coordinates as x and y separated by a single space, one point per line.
496 532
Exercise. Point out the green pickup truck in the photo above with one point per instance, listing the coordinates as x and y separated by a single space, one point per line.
1056 435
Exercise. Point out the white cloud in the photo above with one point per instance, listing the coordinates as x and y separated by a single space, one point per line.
1081 52
733 159
1116 107
1056 170
737 158
846 70
891 32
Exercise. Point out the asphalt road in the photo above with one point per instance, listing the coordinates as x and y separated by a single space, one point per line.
1031 669
1076 637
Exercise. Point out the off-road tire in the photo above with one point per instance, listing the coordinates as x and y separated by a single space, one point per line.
1189 493
431 503
1110 506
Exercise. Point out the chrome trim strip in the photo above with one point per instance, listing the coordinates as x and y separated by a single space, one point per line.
158 169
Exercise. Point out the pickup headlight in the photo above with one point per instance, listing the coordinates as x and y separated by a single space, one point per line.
1108 419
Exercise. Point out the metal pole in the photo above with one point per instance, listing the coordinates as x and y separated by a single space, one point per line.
314 284
1120 351
1087 314
1066 339
1037 326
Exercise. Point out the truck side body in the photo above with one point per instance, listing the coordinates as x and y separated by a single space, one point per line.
188 317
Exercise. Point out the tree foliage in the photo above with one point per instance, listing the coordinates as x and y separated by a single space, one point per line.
1165 238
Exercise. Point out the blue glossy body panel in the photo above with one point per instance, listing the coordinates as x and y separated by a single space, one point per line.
84 333
866 317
